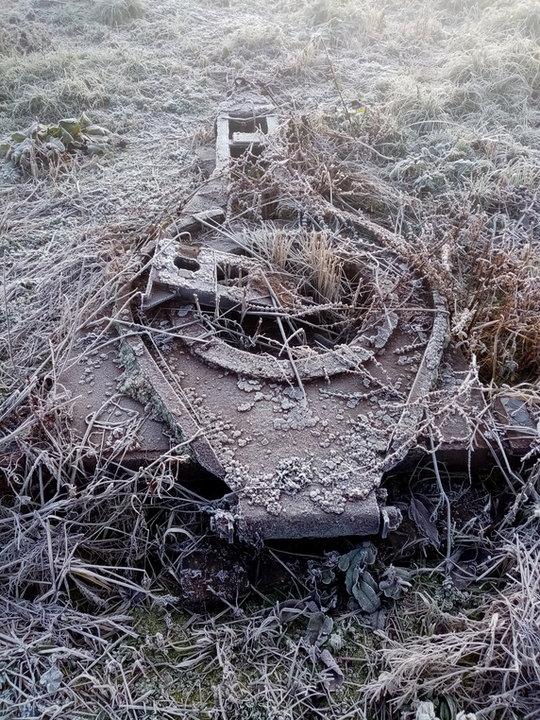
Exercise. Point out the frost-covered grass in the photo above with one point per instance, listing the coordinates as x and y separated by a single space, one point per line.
426 116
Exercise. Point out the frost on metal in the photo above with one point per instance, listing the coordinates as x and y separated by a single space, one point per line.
286 343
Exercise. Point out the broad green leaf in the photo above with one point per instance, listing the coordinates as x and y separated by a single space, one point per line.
96 130
18 137
363 555
71 126
67 138
56 144
351 578
345 560
84 121
95 149
365 592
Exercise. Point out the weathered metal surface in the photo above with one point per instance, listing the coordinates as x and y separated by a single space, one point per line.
301 426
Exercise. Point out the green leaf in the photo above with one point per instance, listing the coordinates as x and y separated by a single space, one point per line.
18 137
67 137
96 130
363 555
71 126
351 578
95 149
318 629
42 132
56 144
4 149
365 592
327 576
359 582
333 676
447 708
395 582
345 560
84 121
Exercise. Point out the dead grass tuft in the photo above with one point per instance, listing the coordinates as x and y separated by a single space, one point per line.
521 17
423 116
490 661
118 12
31 38
499 321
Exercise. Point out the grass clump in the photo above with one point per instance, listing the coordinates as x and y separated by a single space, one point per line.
58 83
17 40
439 141
118 12
343 22
522 17
504 74
488 658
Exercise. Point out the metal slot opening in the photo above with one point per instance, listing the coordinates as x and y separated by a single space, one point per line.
247 125
184 263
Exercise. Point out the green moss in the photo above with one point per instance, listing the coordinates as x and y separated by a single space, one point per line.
136 384
169 646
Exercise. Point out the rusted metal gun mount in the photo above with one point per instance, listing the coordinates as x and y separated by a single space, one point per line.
229 353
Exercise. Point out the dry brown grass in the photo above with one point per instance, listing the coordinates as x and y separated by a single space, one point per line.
117 12
488 659
423 116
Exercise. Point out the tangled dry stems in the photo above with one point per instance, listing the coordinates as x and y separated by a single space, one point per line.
449 159
476 656
72 539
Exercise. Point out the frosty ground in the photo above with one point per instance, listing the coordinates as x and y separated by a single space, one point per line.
431 109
